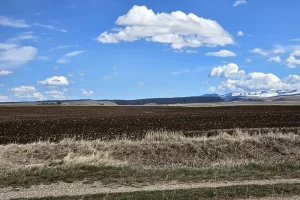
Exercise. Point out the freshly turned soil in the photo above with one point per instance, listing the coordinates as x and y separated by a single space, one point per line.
29 124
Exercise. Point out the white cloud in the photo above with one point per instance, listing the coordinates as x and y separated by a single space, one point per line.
292 61
55 81
275 59
278 50
212 89
55 94
7 46
59 47
259 51
16 56
27 92
87 92
222 53
49 27
239 2
66 58
254 81
56 67
5 73
176 28
62 61
292 79
16 23
23 36
285 48
181 72
71 74
3 98
248 60
74 53
81 74
140 84
1 85
230 70
240 33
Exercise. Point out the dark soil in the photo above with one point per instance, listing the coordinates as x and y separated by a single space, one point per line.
28 124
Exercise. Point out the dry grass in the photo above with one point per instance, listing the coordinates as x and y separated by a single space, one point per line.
158 150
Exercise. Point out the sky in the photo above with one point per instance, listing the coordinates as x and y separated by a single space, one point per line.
116 49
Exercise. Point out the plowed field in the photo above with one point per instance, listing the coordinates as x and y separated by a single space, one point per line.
28 124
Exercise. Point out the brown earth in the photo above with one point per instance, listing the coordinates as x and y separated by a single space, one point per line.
29 124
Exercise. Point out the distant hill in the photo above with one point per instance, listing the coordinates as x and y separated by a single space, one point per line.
174 100
260 96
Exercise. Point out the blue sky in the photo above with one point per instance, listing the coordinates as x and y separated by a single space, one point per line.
117 49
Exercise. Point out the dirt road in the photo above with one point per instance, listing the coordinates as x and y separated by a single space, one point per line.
80 189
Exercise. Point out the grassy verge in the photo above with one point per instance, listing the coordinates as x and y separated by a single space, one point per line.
160 156
131 176
230 192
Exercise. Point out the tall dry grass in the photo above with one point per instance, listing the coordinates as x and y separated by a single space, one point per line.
159 149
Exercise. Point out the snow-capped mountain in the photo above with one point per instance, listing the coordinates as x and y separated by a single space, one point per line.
259 94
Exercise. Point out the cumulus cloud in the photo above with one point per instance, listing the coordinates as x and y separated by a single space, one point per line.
276 59
227 71
55 94
5 73
239 2
292 61
222 53
27 92
254 81
16 23
240 33
292 79
3 98
277 49
14 56
66 58
55 81
259 51
176 28
7 46
86 92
